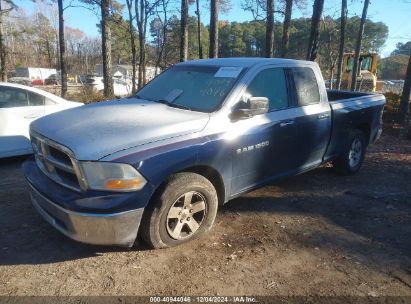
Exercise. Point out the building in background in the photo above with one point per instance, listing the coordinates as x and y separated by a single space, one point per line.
126 71
35 73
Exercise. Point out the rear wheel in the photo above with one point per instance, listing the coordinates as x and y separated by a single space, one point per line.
352 157
183 209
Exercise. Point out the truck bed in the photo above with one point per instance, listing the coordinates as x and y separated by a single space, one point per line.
353 110
340 95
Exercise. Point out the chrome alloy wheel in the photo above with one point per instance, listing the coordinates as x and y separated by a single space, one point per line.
354 155
186 215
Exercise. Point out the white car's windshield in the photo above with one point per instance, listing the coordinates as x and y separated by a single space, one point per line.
198 88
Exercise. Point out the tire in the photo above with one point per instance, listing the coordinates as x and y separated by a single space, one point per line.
352 157
182 210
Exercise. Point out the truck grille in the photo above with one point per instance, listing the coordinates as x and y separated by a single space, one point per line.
56 162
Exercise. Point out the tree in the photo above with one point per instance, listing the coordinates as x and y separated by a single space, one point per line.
144 9
132 44
393 67
46 38
286 27
159 28
374 37
269 33
213 51
200 47
106 48
405 97
402 48
231 41
62 48
343 21
315 31
356 67
184 31
328 53
105 26
257 8
3 50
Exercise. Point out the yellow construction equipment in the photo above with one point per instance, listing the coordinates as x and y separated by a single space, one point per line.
367 74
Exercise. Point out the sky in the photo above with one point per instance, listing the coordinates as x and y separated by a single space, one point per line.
396 14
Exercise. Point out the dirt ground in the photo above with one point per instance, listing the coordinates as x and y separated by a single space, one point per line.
314 234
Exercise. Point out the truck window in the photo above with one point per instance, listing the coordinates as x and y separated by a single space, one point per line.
306 86
12 97
270 83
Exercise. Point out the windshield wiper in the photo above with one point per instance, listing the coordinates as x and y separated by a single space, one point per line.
140 97
174 105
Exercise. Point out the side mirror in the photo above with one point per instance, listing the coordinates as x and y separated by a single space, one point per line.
254 106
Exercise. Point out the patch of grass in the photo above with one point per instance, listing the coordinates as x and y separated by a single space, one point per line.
87 95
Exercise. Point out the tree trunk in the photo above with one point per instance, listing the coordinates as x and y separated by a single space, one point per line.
286 27
48 50
3 51
132 45
269 30
62 49
163 42
356 68
405 97
106 48
315 32
213 53
141 20
141 62
184 31
165 23
200 45
342 41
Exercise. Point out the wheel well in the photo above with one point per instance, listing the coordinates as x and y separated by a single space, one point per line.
213 176
365 128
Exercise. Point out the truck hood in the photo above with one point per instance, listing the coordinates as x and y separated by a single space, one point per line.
100 129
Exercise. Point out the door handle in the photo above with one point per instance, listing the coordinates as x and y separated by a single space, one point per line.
323 116
286 123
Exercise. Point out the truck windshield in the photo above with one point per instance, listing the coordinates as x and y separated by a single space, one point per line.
197 88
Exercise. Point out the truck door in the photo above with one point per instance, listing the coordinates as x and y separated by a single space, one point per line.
263 147
313 119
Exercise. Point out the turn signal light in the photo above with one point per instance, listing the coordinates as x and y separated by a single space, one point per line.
120 184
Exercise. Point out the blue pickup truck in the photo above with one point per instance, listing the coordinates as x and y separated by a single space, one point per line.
158 164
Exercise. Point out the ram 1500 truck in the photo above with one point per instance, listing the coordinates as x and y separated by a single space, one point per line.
159 164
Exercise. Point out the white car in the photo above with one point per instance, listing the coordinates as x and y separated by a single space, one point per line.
19 106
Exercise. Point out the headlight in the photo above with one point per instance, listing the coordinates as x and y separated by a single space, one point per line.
112 176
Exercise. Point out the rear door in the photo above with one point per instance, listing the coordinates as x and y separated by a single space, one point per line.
18 108
313 118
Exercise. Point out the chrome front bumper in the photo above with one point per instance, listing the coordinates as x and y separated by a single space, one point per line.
92 228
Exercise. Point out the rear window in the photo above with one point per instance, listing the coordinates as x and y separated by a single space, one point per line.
12 97
35 99
306 86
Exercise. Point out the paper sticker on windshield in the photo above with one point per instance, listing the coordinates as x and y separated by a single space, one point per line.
228 72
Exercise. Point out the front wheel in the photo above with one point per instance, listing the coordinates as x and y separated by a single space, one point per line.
183 209
352 156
